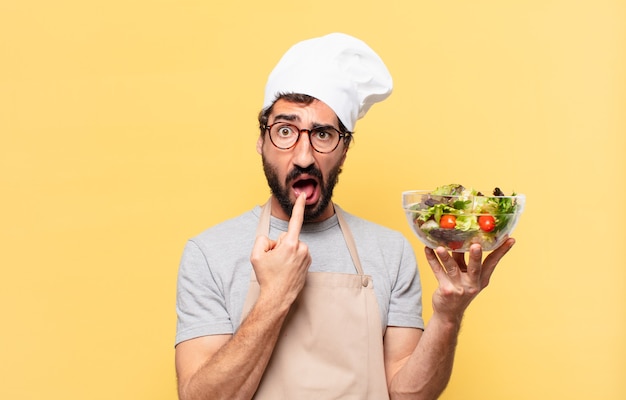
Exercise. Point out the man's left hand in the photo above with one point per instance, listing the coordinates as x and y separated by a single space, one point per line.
460 282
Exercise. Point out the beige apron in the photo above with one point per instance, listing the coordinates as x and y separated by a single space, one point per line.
330 346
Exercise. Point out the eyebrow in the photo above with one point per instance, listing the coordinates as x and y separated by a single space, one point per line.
287 117
294 117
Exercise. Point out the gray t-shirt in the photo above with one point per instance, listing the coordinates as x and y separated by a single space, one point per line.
215 268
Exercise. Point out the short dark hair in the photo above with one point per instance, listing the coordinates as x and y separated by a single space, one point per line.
303 99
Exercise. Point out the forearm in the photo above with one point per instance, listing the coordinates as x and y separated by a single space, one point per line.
235 370
427 371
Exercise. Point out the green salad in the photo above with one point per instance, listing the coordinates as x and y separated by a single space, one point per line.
455 217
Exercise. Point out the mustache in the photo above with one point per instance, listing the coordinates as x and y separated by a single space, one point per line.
297 171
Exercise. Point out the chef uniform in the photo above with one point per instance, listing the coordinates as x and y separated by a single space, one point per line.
330 345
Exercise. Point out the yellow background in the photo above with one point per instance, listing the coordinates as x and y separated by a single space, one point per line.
128 126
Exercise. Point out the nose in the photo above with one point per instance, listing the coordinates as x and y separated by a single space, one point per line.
303 151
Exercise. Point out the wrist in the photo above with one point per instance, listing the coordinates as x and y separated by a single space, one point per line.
274 303
447 321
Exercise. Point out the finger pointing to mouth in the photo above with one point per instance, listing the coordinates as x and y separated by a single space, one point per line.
309 186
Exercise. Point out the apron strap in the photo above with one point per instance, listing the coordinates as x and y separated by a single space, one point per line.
347 235
263 227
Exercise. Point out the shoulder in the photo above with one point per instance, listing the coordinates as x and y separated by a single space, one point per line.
368 230
221 253
233 232
380 243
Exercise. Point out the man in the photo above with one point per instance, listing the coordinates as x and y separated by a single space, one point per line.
298 299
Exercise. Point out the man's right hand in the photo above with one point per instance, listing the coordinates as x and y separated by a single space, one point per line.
281 266
231 366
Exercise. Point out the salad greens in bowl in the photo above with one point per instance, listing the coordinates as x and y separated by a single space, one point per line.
455 217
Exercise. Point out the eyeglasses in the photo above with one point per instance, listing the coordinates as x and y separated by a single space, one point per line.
324 139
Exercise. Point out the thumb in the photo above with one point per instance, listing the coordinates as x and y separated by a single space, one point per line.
263 244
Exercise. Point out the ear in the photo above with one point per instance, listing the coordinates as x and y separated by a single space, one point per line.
259 145
343 157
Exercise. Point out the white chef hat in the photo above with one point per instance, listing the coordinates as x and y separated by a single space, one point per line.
338 69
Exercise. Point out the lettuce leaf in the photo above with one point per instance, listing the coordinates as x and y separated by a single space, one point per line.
467 223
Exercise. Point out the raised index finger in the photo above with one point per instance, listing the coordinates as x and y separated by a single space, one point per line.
297 217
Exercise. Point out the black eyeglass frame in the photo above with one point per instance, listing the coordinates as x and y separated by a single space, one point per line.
341 135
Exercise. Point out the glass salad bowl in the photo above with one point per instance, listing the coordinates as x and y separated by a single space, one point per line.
455 218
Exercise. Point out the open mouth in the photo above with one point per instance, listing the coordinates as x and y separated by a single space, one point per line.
307 186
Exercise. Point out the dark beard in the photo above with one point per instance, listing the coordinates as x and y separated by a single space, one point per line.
281 192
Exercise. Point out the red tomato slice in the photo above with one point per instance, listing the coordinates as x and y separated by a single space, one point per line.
487 223
447 221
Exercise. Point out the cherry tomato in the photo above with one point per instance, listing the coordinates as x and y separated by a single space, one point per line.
455 245
447 221
486 223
